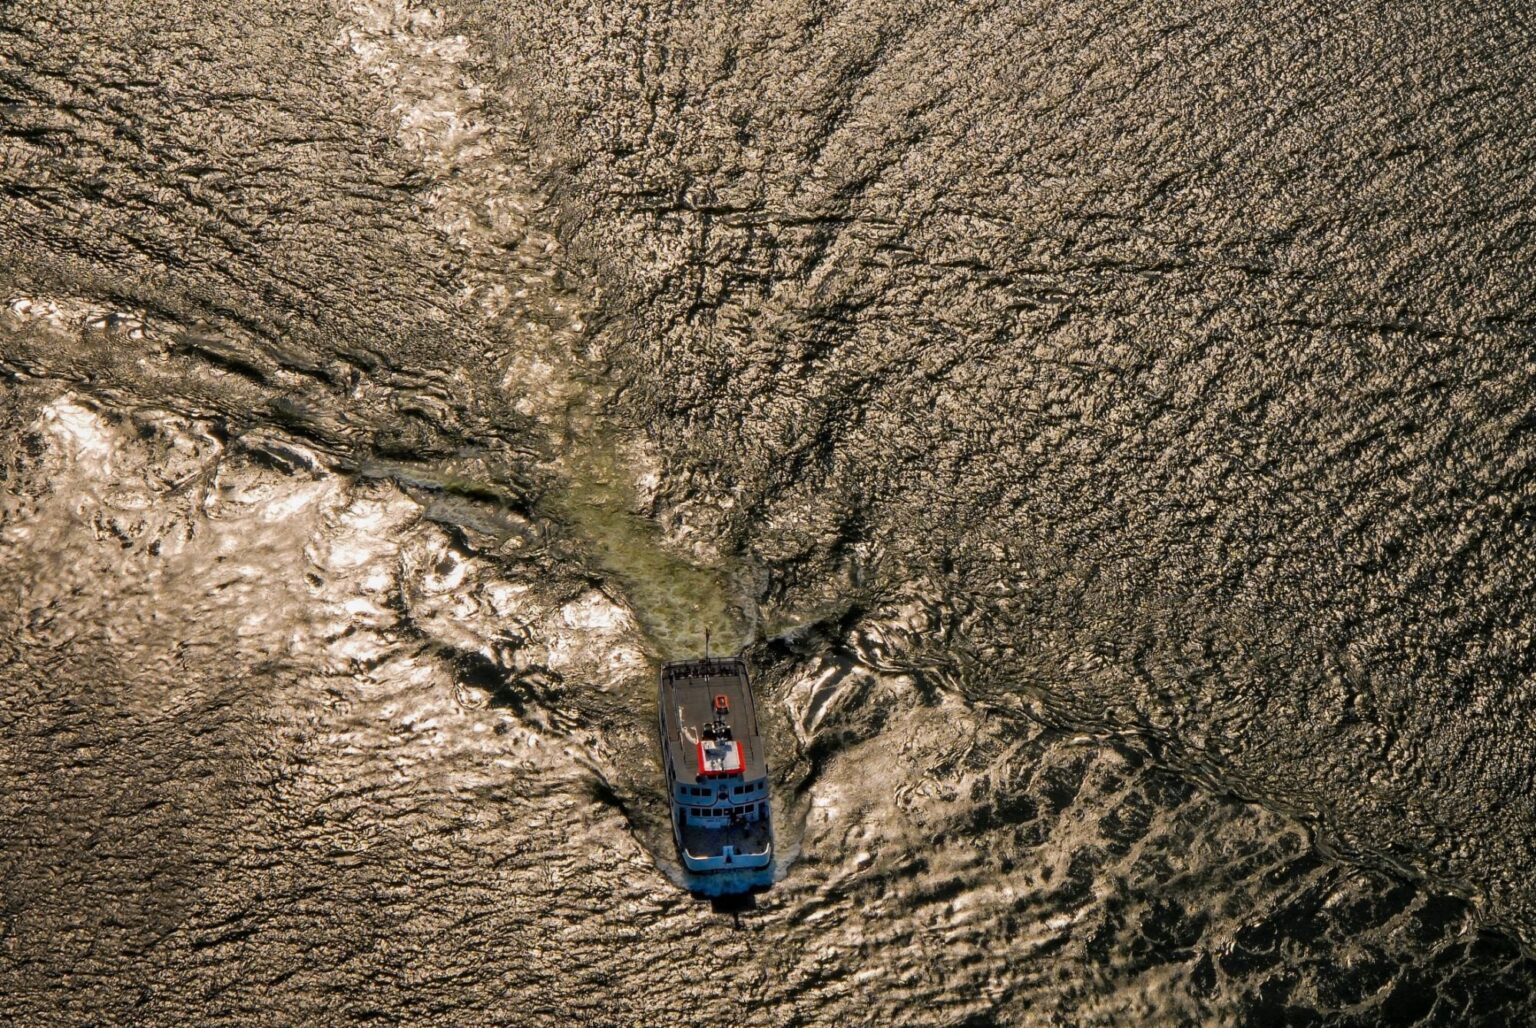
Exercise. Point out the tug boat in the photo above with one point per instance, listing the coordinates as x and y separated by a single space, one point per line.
717 775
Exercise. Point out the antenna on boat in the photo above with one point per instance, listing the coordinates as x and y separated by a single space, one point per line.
706 644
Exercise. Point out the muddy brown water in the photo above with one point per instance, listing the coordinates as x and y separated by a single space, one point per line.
1105 429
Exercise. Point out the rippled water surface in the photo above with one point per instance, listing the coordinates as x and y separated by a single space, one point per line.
1106 429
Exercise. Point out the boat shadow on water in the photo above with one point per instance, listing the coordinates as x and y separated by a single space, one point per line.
735 904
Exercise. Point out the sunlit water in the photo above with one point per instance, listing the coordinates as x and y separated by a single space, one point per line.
389 390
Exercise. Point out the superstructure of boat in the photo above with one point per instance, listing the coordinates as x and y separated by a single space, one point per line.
717 771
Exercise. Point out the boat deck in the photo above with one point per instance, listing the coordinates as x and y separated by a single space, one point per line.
688 695
754 838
